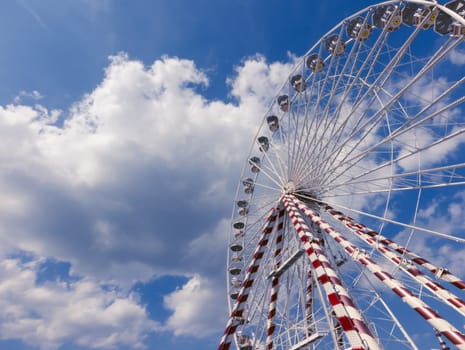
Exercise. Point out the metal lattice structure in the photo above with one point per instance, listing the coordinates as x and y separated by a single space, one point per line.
349 211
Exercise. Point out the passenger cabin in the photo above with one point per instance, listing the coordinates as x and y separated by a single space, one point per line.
283 102
263 144
243 206
445 24
243 211
238 225
235 270
236 258
239 234
416 14
273 123
298 83
248 185
335 45
388 17
236 282
255 163
359 29
236 247
315 63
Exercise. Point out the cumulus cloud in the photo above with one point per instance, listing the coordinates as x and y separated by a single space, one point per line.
132 185
140 160
457 57
441 213
195 308
57 312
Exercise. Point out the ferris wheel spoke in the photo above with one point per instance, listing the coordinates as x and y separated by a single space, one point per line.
274 154
381 79
331 119
401 224
355 159
308 123
398 260
421 178
439 272
321 87
356 192
438 322
338 76
363 174
373 121
269 173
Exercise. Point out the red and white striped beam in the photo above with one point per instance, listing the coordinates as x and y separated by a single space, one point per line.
441 324
439 272
437 289
350 318
271 321
238 308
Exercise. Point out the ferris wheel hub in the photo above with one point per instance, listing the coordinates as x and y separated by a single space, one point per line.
290 187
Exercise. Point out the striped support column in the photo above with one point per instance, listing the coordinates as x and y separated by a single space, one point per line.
442 325
449 298
271 321
252 270
349 317
438 271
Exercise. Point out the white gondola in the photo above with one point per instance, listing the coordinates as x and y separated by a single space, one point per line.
243 206
335 45
359 29
263 144
235 270
315 63
248 185
416 14
283 102
387 17
236 282
255 163
236 247
298 83
238 225
273 122
236 258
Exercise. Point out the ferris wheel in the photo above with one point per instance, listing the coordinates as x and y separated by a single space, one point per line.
348 228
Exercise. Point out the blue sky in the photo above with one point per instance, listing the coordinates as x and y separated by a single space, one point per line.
124 126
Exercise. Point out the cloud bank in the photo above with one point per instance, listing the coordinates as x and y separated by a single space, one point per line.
135 181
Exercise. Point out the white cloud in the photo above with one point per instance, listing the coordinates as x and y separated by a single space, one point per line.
443 214
258 80
141 159
457 57
195 308
34 95
54 313
132 186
